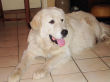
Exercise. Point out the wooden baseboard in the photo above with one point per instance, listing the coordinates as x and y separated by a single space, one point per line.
21 11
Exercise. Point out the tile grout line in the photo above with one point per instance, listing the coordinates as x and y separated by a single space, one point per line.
8 67
86 58
104 62
96 71
80 69
51 77
101 59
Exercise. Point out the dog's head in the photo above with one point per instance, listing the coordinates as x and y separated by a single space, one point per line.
51 25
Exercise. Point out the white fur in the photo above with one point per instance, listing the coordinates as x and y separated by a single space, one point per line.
83 29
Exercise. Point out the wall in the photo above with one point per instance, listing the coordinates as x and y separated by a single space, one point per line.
19 4
48 3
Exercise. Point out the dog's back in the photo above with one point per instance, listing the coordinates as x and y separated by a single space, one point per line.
85 30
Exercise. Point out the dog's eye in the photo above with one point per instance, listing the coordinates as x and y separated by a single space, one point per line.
52 22
62 20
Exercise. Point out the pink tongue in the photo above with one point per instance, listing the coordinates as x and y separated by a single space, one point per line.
61 42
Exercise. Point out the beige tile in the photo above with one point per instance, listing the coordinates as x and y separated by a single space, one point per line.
8 61
87 65
45 79
7 51
88 53
31 70
99 76
68 67
106 60
76 77
102 50
5 72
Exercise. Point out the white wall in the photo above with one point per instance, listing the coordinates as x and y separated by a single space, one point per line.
19 4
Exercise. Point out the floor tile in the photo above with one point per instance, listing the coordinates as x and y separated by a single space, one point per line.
5 72
8 61
9 31
87 65
70 67
77 77
99 76
7 43
45 79
23 28
10 26
7 51
102 50
85 54
107 60
23 40
8 37
1 26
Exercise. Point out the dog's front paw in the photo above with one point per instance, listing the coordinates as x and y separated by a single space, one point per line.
14 77
40 74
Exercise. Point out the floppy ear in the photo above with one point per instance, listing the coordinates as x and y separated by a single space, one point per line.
36 22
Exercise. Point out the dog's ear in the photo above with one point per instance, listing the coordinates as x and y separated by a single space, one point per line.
36 22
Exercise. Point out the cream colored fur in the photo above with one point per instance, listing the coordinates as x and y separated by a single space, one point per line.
83 30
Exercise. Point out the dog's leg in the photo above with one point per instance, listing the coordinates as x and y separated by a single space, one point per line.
51 64
20 69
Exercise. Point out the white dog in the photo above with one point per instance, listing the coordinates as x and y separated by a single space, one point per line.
55 36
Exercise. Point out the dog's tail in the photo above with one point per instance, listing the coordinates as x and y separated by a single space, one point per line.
105 31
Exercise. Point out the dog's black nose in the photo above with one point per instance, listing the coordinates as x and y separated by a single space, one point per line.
64 32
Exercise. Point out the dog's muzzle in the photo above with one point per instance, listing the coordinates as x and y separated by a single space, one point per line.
60 42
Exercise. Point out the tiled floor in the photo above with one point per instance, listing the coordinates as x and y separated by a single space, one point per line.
93 65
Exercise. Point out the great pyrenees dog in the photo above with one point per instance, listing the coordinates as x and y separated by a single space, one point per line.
56 36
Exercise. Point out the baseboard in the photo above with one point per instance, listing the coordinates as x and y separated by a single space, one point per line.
21 10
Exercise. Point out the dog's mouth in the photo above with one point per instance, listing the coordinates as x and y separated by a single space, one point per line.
60 42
